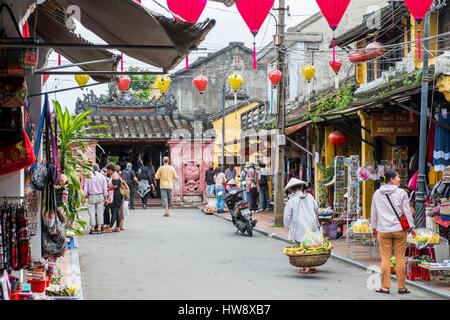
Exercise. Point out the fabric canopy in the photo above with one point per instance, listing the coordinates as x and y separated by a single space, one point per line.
51 28
125 22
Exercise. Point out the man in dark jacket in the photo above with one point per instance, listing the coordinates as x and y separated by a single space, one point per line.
209 179
129 177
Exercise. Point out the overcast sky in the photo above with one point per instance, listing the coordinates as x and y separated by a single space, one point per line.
229 27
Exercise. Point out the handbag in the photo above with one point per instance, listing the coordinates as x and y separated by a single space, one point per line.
16 157
10 126
20 61
13 92
403 220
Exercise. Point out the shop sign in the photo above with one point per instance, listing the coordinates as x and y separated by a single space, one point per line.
394 124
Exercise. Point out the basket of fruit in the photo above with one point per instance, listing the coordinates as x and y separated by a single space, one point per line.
57 292
424 237
303 256
361 226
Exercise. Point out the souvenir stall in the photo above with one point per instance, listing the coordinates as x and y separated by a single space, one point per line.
32 234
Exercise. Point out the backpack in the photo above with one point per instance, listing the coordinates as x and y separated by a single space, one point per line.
263 181
126 176
124 189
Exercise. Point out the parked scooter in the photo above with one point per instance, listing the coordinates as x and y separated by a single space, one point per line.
240 213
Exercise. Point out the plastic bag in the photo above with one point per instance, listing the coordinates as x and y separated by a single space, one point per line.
361 226
424 237
313 238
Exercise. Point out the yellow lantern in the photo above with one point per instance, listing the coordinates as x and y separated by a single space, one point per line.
82 79
163 83
308 72
235 81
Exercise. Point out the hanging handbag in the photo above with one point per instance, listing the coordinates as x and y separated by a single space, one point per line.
13 92
16 61
10 126
403 220
16 157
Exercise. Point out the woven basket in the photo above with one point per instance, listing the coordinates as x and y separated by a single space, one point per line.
309 260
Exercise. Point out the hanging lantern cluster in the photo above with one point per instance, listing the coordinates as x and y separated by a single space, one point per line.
275 76
235 80
308 72
254 12
81 79
187 11
123 82
337 138
200 82
163 83
419 9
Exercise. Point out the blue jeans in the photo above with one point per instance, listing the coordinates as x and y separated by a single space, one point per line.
220 205
264 198
245 195
210 189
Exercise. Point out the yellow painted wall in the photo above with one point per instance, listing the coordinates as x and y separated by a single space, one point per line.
361 68
367 157
433 46
232 132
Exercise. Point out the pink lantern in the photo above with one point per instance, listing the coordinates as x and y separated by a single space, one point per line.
333 11
254 12
418 9
187 11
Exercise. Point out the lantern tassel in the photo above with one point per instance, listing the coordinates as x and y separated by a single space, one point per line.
235 97
271 102
419 49
187 63
333 43
59 59
254 55
121 61
336 81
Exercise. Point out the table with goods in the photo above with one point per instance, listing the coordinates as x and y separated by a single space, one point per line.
361 234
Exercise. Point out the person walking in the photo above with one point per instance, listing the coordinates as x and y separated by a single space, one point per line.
146 185
300 214
209 179
96 192
264 186
108 201
125 199
117 197
166 174
389 204
230 172
243 179
252 188
220 190
129 177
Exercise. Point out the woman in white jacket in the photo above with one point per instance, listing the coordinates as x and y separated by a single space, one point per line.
386 226
300 213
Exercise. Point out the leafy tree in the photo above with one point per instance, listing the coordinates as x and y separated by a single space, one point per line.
74 132
141 84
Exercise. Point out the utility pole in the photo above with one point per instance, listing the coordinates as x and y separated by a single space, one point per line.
419 217
281 97
223 123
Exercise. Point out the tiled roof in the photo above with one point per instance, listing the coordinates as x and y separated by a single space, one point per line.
141 127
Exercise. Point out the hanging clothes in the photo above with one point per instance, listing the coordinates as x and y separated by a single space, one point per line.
15 246
441 154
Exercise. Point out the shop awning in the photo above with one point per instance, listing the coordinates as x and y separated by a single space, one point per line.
297 127
126 22
51 28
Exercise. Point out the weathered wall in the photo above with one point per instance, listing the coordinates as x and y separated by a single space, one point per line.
217 70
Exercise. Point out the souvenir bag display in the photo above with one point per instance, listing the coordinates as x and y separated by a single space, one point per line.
10 126
16 61
17 157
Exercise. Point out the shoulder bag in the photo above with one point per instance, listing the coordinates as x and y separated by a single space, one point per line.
403 220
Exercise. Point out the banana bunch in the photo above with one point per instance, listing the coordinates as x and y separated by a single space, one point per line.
361 226
301 249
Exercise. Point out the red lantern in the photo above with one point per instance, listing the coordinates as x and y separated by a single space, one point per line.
418 9
254 12
123 83
188 11
357 57
45 77
333 11
374 50
200 82
337 138
275 77
336 65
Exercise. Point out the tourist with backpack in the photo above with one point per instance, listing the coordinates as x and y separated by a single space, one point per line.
264 186
117 198
129 177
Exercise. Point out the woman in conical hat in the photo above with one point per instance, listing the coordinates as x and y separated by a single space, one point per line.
300 213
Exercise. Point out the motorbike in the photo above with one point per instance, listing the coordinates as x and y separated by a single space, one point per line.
240 213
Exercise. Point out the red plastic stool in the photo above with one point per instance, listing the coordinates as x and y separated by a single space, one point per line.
417 271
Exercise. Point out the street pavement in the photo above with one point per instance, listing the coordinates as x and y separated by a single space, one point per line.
195 256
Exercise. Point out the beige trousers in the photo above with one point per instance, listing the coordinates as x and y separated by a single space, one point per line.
396 240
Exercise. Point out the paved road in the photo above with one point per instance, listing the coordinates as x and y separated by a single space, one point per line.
193 256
